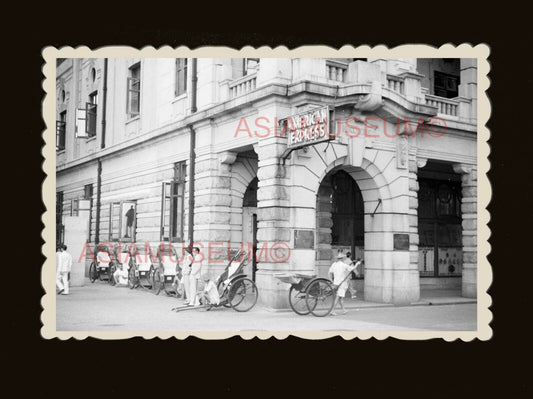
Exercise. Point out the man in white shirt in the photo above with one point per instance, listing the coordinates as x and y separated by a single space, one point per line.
64 266
339 272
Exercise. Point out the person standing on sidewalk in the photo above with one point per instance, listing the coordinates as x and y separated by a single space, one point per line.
64 265
196 272
339 272
185 279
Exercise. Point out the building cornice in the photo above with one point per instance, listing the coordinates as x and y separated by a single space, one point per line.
393 105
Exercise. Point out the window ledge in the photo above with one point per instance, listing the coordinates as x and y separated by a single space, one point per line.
179 98
89 139
133 119
60 152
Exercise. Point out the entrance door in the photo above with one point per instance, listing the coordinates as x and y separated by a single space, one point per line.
249 238
439 228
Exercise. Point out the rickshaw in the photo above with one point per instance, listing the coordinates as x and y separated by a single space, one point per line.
235 289
141 268
103 266
309 293
167 272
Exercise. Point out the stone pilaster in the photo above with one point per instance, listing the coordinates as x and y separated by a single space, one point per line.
273 233
469 215
212 210
468 89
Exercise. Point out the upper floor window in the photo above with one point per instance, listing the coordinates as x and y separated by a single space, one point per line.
250 65
61 131
172 205
181 76
244 66
88 192
446 85
91 114
134 91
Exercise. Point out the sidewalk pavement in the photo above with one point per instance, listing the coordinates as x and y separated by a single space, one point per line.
101 307
428 297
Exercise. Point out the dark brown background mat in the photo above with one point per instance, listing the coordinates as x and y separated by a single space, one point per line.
294 367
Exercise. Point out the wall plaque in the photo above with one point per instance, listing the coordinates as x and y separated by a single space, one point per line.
304 239
401 242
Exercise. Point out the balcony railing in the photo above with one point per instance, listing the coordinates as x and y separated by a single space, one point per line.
336 71
444 106
243 85
396 84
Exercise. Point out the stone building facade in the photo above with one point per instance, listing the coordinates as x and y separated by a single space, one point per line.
395 184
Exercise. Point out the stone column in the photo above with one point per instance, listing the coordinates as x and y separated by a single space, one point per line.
468 89
212 202
273 235
469 215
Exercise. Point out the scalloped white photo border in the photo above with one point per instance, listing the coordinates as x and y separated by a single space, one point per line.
484 271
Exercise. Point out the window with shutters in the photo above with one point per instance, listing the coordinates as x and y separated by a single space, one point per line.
134 91
91 114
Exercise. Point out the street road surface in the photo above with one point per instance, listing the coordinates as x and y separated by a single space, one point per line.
100 307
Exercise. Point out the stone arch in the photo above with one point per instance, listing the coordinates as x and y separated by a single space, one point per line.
243 172
387 278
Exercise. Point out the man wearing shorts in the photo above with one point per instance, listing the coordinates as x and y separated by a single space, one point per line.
338 273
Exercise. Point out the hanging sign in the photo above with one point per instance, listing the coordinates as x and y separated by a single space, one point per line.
308 128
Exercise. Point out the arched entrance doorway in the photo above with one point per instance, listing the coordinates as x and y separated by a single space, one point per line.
340 219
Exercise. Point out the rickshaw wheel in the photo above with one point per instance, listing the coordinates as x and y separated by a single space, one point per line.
93 275
158 286
243 294
110 271
298 302
132 280
320 297
150 279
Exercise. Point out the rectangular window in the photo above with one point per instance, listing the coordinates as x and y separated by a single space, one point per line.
91 114
134 91
172 205
74 207
123 221
250 65
88 192
446 85
61 131
181 76
244 66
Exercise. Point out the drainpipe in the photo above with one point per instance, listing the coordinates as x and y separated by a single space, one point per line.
192 154
98 204
104 102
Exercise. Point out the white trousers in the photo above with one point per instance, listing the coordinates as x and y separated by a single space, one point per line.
62 281
187 286
194 298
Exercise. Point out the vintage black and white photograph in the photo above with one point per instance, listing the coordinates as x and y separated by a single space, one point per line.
265 192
